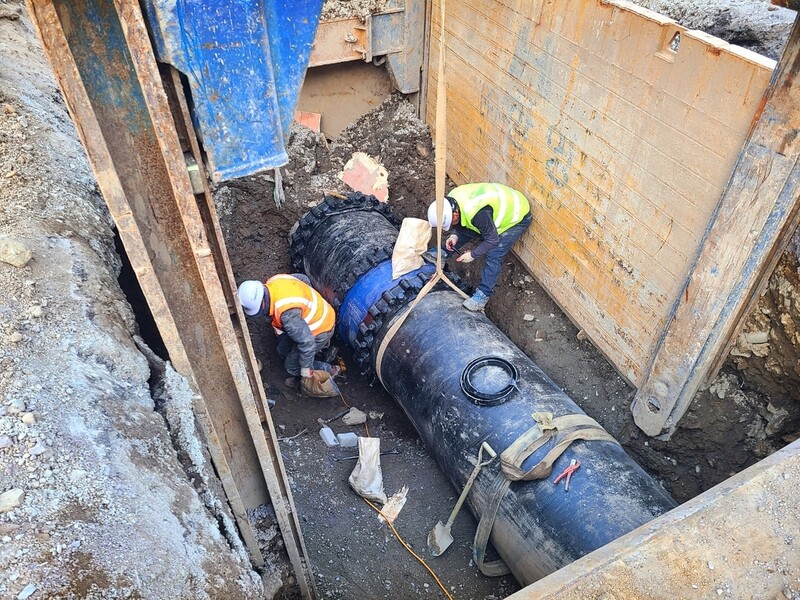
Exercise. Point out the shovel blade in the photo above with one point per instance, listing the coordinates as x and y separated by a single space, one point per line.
439 539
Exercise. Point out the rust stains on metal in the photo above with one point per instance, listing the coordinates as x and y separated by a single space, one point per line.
339 41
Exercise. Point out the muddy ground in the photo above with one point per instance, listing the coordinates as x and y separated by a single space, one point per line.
726 429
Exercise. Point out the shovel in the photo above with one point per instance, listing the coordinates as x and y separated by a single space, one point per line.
439 539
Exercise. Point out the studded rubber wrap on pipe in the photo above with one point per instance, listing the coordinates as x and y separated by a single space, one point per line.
539 527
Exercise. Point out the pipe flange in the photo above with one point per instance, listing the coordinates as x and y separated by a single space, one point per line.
304 229
489 380
390 302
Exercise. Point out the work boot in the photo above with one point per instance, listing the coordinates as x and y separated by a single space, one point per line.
292 382
477 302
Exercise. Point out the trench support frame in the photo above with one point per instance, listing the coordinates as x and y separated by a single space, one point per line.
394 36
748 232
134 124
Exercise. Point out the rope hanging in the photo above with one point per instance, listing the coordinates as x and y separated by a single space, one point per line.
441 165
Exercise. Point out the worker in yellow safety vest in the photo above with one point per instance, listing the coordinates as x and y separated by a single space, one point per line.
495 213
303 322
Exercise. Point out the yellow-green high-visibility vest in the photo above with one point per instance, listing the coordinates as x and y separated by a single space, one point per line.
508 205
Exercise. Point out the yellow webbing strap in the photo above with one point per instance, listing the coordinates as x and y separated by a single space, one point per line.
562 431
565 429
441 165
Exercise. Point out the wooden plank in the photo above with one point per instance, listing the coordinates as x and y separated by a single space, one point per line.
757 215
230 342
57 48
721 543
422 98
241 350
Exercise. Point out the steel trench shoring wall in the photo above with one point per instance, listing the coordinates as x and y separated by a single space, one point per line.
624 142
104 64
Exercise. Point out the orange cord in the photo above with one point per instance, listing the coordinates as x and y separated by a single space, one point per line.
407 547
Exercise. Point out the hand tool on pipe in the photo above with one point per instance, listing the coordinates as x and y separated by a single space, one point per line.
574 465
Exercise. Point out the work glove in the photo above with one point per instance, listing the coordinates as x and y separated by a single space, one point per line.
451 242
466 257
318 384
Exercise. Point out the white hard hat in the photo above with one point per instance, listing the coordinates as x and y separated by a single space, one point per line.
251 293
447 215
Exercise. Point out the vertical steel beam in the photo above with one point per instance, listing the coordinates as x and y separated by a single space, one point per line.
103 61
751 226
408 33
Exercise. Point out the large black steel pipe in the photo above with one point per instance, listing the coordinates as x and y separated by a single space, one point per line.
539 527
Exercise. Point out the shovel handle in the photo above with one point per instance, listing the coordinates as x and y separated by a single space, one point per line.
472 477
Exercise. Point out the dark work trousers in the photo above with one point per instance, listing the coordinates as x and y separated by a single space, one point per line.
287 350
494 257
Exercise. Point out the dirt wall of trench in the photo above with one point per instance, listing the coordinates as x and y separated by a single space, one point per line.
767 351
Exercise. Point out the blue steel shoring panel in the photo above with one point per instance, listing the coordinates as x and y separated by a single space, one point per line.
245 62
292 26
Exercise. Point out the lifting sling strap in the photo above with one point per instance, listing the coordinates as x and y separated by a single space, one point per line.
562 431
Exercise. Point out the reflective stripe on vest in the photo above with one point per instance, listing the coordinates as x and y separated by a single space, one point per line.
287 292
508 205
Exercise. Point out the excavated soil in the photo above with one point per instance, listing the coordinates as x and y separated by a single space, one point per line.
767 352
727 428
347 9
757 25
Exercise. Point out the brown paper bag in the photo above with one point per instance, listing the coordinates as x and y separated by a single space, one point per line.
319 385
415 234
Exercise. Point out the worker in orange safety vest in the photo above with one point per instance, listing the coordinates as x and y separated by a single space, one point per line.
303 322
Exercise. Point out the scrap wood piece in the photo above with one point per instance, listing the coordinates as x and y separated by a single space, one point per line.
394 505
366 175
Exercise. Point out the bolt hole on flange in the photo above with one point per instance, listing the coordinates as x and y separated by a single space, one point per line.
654 405
489 380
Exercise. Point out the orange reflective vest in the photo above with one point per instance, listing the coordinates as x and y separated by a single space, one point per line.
287 292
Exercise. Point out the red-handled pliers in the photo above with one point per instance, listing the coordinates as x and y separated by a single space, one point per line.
574 465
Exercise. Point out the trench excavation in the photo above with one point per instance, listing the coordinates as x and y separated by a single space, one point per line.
539 527
350 559
108 486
